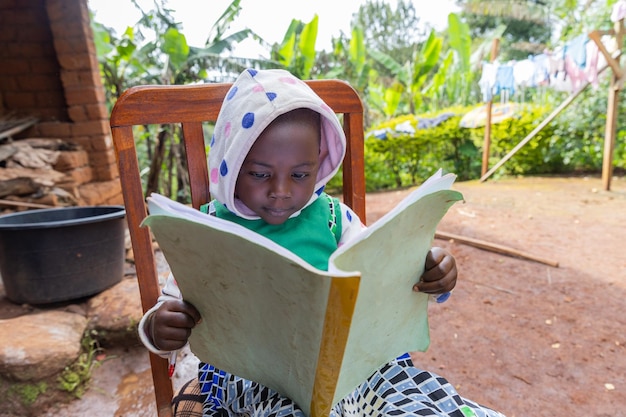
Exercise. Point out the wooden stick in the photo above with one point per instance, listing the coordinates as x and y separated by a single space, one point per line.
23 204
493 247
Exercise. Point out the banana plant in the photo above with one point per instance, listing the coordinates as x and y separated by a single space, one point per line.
296 53
460 78
349 61
413 75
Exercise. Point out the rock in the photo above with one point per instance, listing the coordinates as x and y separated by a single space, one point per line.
114 313
36 346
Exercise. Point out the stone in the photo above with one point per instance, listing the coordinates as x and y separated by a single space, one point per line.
114 313
36 346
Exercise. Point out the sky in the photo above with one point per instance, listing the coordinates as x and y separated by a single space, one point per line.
268 18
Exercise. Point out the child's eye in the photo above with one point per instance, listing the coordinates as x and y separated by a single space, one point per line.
300 175
259 175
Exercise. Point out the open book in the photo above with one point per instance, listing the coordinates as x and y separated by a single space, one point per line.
311 335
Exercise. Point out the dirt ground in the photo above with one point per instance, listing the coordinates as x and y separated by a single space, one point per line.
521 336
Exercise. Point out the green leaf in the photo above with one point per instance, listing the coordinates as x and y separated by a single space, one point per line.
357 49
175 47
306 46
427 58
460 40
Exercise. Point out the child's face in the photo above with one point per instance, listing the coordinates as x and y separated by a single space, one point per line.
278 176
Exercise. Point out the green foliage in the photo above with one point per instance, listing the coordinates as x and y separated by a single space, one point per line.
574 142
296 53
536 157
398 68
27 393
75 377
527 23
580 130
395 32
404 153
404 94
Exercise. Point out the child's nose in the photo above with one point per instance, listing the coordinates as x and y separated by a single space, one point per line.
280 188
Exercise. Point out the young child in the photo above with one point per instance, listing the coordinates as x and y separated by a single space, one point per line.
276 144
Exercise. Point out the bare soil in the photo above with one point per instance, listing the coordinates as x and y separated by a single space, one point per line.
523 337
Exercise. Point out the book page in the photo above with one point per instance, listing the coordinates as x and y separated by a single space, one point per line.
266 314
263 314
390 318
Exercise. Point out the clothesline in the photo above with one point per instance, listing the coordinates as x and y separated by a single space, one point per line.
565 69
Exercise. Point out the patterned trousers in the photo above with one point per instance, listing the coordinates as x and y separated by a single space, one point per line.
396 389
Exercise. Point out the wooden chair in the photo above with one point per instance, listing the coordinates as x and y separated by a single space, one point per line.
190 106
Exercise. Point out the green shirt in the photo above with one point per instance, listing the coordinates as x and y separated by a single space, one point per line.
312 235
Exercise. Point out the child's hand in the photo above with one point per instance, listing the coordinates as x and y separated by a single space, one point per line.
170 325
439 272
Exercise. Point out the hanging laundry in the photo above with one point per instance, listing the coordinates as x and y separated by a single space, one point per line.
576 75
524 73
505 81
619 11
542 69
591 67
488 80
576 48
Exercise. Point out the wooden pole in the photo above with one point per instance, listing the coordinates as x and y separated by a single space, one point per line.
487 143
611 113
493 247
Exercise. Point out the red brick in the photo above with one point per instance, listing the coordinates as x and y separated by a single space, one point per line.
103 142
116 200
19 100
84 142
71 46
50 113
87 95
31 50
106 172
44 66
7 17
8 84
39 33
9 4
90 78
99 158
66 29
74 62
77 113
74 10
14 67
81 175
96 193
97 111
70 79
38 82
55 129
8 33
96 128
50 98
71 159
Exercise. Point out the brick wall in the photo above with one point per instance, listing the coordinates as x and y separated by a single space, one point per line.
50 70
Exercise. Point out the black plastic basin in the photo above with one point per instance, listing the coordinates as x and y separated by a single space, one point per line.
61 254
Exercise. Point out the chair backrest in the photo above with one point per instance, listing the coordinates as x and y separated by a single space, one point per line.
190 106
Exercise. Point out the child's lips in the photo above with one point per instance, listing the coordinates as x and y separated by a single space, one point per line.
278 212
